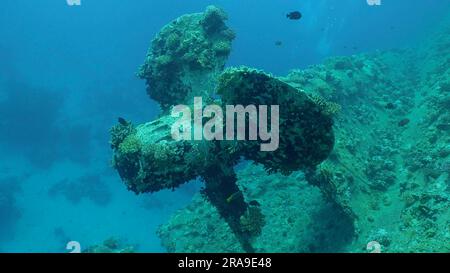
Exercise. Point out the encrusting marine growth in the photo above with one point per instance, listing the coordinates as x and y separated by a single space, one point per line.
385 181
186 60
186 57
364 153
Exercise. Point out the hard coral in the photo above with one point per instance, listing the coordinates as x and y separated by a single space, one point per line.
213 20
186 56
119 132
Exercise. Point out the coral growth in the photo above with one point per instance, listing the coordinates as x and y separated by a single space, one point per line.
378 172
298 113
370 168
148 159
111 245
186 57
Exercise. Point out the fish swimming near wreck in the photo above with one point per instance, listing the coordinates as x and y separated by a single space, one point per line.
122 121
403 122
234 196
294 15
390 106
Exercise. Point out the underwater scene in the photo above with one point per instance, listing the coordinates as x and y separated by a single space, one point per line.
259 126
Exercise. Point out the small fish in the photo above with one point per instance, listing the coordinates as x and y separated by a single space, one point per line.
278 43
403 122
255 203
122 121
443 126
233 197
390 106
294 15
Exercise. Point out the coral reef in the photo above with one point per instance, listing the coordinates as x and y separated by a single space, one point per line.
306 137
186 57
148 159
294 210
349 169
378 172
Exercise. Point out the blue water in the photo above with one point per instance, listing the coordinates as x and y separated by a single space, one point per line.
68 72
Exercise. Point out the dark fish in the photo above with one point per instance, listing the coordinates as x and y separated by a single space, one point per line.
234 196
403 122
278 43
390 106
255 203
295 15
122 121
443 126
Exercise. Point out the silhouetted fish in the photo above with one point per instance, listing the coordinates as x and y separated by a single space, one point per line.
390 106
403 122
122 121
295 15
278 43
443 127
234 196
